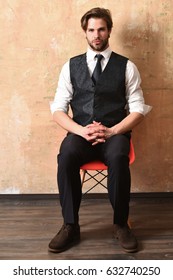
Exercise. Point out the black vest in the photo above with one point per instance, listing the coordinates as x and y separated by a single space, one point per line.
104 102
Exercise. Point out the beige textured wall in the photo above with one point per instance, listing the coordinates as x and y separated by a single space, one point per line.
37 37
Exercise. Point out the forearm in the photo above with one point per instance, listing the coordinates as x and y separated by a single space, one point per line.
127 124
90 133
66 122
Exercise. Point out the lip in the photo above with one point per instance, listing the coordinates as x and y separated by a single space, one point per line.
97 41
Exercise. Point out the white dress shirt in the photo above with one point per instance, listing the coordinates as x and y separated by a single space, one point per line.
134 94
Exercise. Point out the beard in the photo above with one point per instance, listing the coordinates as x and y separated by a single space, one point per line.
99 47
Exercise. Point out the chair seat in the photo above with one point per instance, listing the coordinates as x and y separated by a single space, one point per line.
99 165
94 165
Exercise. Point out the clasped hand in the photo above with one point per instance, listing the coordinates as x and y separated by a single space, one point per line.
96 133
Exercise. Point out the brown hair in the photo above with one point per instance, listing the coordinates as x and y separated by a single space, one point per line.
97 13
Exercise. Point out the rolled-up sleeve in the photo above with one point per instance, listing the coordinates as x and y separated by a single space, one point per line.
64 91
134 93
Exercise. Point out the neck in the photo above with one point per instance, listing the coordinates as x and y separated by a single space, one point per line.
98 51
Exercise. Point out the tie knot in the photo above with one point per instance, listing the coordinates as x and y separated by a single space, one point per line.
99 57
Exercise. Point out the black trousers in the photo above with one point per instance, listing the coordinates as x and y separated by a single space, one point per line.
74 152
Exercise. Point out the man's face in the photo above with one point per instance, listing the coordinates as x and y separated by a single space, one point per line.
97 34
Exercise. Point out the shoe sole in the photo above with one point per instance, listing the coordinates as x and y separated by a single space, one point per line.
71 244
133 250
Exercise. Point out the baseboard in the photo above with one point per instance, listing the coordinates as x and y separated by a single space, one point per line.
87 196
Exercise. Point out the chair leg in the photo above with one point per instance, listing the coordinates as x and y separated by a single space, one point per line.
83 173
94 177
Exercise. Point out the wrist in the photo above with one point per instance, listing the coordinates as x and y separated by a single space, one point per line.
114 130
80 130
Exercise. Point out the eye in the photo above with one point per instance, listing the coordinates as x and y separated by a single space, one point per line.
90 30
101 29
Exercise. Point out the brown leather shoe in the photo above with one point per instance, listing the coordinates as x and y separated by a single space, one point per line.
126 238
65 238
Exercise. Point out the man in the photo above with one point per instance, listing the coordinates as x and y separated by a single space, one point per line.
100 127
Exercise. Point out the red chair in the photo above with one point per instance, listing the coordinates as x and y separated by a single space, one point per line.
99 168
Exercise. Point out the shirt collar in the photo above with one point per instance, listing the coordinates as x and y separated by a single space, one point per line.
91 54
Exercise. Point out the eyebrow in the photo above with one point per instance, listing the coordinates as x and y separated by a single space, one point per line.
99 29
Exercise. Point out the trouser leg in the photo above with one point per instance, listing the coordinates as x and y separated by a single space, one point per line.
74 151
116 156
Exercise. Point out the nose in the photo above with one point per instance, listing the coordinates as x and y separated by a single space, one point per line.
96 34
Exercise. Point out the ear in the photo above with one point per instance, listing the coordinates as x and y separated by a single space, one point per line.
109 33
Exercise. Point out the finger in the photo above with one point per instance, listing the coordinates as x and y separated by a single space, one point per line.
98 140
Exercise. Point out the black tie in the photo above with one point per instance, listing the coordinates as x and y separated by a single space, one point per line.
97 69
